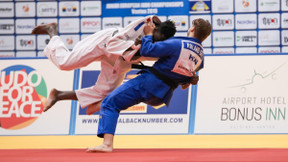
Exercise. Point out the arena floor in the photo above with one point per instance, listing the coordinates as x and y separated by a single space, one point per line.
212 148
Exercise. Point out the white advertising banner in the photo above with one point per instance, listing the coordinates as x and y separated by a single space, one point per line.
26 42
243 94
24 26
285 37
181 22
269 50
246 21
69 25
269 21
93 8
246 38
284 20
222 6
285 49
268 37
245 6
284 5
47 9
268 5
90 25
223 38
69 8
7 26
138 119
25 9
111 22
223 51
223 22
7 9
7 43
246 50
24 89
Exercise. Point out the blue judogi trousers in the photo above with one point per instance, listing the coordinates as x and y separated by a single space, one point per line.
134 91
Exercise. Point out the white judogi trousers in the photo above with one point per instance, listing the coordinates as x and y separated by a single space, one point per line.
102 46
86 51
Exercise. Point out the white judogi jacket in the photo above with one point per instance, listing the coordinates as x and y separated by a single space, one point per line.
126 37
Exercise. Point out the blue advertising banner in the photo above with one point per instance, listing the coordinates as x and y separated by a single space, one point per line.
144 7
178 104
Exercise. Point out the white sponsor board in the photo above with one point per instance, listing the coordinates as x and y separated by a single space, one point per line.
25 9
111 22
268 5
25 54
91 8
245 5
246 21
7 9
223 39
222 6
269 50
268 37
240 100
246 38
46 21
69 8
25 42
41 54
7 26
22 114
42 41
181 22
284 20
139 119
207 50
284 5
7 42
223 22
69 25
284 37
24 26
90 25
47 9
223 51
246 50
7 54
285 49
269 21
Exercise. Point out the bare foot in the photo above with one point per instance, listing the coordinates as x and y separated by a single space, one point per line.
51 100
50 29
100 148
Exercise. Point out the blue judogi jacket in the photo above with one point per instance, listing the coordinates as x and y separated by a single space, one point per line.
178 57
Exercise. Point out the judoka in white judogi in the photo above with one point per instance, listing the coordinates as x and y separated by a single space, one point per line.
109 46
